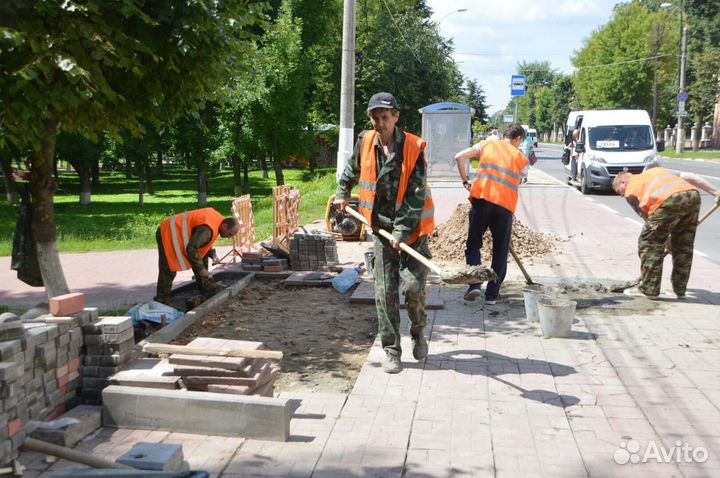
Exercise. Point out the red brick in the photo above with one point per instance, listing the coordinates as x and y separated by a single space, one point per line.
63 381
62 388
59 410
74 365
68 304
273 268
61 371
14 427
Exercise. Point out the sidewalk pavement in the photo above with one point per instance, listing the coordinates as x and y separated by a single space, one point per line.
636 380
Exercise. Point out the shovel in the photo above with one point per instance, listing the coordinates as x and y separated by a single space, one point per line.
528 280
465 275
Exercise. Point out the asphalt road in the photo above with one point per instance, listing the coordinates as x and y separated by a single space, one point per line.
707 240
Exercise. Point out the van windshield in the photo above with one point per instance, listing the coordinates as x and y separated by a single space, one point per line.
621 138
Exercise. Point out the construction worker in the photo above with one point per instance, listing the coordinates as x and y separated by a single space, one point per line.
186 241
494 196
669 202
389 165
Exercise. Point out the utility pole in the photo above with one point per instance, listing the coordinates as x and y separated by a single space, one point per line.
347 88
680 147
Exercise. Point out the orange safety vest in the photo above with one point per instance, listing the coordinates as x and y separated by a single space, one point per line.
414 145
499 174
176 231
654 186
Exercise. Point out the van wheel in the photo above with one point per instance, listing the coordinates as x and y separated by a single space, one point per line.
584 187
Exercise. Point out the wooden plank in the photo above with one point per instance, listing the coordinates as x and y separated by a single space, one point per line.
212 371
187 350
195 382
365 294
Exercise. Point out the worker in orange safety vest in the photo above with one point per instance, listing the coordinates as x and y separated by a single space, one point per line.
669 202
186 241
494 196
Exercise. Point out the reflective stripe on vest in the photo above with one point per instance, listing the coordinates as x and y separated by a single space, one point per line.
498 174
412 148
653 187
176 230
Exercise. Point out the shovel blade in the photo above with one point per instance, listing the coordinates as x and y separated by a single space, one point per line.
469 275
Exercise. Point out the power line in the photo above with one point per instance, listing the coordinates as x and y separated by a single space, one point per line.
401 33
603 65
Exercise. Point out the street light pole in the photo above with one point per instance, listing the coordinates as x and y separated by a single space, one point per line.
680 147
347 88
459 10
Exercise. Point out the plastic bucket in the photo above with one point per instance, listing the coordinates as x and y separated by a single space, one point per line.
556 316
530 297
369 263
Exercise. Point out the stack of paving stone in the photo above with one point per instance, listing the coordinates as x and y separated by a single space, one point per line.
39 372
108 345
253 261
313 252
221 374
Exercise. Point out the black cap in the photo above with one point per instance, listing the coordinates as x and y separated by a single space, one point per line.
382 100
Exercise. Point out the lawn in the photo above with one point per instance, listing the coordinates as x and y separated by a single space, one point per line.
114 220
690 154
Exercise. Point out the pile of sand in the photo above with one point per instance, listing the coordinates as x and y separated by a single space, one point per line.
449 242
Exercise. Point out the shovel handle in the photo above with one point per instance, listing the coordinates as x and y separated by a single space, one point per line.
422 259
712 210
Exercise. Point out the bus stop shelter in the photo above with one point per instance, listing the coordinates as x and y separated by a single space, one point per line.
447 129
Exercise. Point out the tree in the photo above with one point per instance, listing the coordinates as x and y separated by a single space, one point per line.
81 153
475 98
538 75
616 66
97 66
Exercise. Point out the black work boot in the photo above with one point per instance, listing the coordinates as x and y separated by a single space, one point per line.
419 345
392 362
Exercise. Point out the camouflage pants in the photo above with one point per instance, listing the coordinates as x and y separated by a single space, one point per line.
390 267
166 276
677 219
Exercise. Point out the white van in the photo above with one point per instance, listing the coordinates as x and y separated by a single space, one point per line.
611 141
532 133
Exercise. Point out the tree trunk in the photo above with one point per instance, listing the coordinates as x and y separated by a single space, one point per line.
279 178
85 173
716 126
202 185
10 186
42 187
141 183
263 166
246 178
148 177
95 182
159 169
128 168
237 175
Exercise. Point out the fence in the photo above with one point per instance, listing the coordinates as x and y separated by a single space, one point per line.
245 238
286 215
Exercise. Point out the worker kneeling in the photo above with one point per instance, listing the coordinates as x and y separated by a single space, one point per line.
669 202
186 241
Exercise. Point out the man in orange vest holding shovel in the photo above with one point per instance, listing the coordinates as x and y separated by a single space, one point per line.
185 241
669 201
389 166
494 196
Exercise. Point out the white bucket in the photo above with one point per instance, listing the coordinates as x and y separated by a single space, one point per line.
530 297
369 263
556 316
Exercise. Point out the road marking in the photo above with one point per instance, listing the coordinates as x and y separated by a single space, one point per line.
634 221
604 206
701 254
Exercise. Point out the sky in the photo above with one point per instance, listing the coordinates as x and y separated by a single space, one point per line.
493 36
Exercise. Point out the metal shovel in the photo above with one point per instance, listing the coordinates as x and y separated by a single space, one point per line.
465 275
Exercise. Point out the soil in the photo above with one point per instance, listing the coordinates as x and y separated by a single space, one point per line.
325 339
448 244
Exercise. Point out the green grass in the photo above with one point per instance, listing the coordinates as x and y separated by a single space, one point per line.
690 154
114 220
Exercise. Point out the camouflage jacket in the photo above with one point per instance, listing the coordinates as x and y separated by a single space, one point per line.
403 221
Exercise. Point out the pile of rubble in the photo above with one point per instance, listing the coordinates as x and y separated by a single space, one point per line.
448 244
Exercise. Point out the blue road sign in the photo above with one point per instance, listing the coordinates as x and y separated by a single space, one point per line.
517 85
682 96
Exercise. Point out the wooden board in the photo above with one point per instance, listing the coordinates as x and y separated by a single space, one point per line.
230 363
195 382
309 279
365 294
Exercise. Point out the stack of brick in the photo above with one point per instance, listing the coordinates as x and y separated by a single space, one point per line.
39 368
108 346
312 252
252 261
